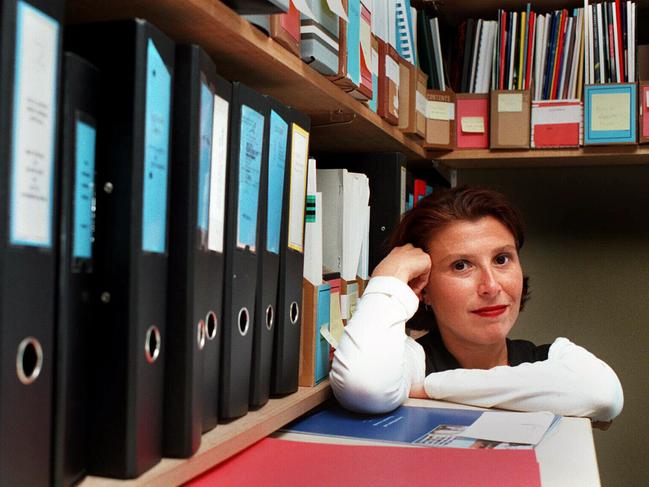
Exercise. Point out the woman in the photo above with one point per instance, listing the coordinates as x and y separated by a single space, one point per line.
455 257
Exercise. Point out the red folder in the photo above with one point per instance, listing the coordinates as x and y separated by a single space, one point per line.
556 124
274 462
471 107
420 190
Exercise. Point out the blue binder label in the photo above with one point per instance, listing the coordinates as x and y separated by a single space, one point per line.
156 152
276 167
33 127
354 41
251 144
205 163
84 172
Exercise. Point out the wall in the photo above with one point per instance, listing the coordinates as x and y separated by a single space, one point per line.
587 255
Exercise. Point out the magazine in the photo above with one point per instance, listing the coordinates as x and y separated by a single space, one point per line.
435 427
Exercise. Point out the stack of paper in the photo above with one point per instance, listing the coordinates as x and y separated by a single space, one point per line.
345 198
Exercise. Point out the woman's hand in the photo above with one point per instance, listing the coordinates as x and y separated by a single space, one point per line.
407 263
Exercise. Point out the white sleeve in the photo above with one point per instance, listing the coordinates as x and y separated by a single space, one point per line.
571 382
376 362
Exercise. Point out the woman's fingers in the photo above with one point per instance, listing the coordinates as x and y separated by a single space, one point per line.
408 263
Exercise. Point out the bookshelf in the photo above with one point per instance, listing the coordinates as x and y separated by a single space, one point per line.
623 155
341 124
225 440
242 52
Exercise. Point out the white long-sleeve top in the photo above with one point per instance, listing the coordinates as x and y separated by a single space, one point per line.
376 364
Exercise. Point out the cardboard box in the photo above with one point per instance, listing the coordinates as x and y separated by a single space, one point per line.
610 114
440 120
509 119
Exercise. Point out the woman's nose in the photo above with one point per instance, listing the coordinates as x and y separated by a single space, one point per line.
488 284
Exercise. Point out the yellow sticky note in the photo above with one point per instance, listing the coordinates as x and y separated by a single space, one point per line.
336 326
473 125
510 102
610 111
438 110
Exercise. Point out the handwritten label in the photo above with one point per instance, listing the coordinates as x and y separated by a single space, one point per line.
439 110
611 111
473 125
510 102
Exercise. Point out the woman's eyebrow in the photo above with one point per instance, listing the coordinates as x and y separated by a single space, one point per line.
470 256
505 248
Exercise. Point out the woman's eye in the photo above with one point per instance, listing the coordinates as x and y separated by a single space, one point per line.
460 265
502 259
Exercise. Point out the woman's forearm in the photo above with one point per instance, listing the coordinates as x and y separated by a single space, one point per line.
571 382
375 362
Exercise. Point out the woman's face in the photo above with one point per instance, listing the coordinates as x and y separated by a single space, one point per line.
476 281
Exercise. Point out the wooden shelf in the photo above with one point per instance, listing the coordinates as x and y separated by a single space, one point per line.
225 440
241 52
622 155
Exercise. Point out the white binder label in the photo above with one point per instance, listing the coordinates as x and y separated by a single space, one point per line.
299 156
510 102
216 227
34 127
205 162
647 98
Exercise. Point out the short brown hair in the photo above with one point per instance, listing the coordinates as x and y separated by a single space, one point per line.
445 206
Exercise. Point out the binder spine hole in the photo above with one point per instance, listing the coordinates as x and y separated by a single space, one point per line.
244 321
211 325
270 317
29 360
200 334
294 312
152 344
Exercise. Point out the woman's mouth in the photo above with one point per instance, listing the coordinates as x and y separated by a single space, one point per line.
490 311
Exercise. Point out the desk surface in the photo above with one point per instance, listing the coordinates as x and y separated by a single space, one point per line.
566 456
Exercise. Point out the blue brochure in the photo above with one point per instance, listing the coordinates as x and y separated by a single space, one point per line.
423 426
